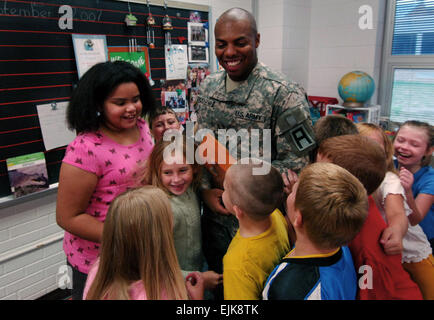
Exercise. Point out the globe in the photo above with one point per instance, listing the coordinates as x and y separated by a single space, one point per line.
355 88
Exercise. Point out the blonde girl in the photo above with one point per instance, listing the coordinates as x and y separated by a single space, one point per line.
413 147
400 236
179 180
137 259
391 205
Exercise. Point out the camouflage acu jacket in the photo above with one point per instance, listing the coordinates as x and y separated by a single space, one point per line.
265 100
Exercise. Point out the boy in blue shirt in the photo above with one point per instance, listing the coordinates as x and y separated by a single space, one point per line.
327 208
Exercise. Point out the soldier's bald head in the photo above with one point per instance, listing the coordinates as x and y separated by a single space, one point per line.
236 40
237 14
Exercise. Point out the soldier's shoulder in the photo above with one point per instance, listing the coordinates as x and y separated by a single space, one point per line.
276 78
215 77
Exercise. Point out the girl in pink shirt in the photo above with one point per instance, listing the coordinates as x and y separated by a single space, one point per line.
112 139
138 259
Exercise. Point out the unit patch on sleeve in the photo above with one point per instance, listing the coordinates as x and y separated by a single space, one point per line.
301 138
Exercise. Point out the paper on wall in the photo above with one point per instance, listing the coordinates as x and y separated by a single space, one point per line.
176 61
52 118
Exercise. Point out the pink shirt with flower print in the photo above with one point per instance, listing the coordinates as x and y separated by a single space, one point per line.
116 167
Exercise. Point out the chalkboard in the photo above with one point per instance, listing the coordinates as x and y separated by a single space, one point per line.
37 63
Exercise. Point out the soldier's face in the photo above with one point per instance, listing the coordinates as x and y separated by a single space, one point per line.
235 47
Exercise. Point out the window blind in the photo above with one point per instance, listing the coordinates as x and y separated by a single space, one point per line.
413 37
413 32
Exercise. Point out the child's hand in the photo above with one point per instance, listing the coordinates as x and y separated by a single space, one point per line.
289 179
391 241
406 178
195 286
211 279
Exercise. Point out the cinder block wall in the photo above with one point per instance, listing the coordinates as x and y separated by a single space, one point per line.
30 249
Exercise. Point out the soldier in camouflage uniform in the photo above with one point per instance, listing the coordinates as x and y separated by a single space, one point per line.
248 95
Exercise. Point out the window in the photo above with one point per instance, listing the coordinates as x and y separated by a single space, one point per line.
412 95
407 83
404 43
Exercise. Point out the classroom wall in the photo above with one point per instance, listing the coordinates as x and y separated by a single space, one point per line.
338 45
316 42
284 26
30 240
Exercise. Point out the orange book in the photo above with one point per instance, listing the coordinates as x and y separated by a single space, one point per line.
216 157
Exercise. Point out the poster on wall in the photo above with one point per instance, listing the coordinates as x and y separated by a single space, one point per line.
89 50
176 61
27 174
139 58
52 118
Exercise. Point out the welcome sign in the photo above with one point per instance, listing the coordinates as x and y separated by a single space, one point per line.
135 58
139 58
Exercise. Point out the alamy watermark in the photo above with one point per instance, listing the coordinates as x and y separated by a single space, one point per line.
366 19
250 148
64 277
365 280
67 18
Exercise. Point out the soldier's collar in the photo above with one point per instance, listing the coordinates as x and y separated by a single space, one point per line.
240 94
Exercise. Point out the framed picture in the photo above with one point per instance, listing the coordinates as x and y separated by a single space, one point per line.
89 50
198 54
197 34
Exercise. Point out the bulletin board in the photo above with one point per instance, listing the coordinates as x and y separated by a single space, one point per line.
37 63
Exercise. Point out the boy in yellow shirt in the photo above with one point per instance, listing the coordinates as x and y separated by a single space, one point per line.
262 238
